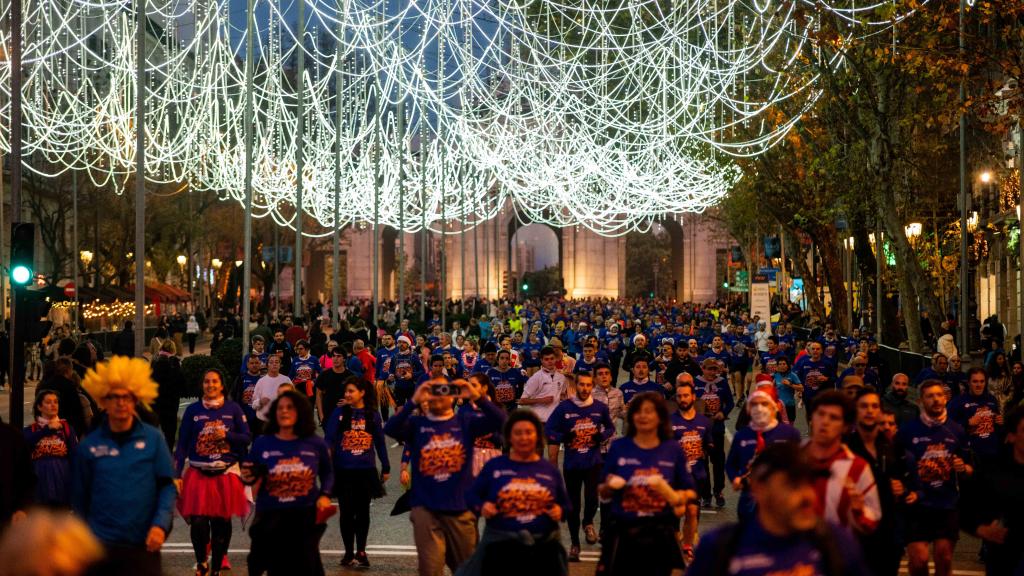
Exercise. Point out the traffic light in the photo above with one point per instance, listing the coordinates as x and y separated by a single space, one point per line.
525 286
35 305
23 252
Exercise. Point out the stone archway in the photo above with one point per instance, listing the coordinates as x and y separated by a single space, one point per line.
676 264
513 226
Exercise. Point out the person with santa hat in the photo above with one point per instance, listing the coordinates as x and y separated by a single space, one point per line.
764 429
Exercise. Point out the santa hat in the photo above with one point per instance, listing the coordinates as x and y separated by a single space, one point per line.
766 392
762 377
404 338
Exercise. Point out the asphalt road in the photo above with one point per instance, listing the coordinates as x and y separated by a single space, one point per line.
391 550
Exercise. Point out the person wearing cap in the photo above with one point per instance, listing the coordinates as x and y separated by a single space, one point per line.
785 535
859 367
639 353
717 401
763 429
123 474
544 389
851 385
849 496
563 362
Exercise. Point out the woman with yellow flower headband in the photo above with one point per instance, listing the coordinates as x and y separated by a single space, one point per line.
123 475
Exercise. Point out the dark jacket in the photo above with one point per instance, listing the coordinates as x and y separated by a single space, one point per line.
17 480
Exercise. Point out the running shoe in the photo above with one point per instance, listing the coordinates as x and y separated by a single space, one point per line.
362 560
348 560
574 553
590 534
719 500
202 569
225 564
688 554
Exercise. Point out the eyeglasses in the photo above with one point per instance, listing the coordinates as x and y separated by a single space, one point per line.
120 398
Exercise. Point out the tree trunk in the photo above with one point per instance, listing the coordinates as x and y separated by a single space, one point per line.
810 282
828 251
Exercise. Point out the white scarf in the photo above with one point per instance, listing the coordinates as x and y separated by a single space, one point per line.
582 403
933 422
213 404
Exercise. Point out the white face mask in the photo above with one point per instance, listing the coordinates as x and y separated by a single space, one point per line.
760 415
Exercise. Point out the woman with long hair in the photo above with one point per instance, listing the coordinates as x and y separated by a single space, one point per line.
284 465
523 498
355 433
1000 382
213 438
649 485
51 441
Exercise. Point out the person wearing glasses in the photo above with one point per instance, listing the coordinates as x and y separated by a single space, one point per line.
123 475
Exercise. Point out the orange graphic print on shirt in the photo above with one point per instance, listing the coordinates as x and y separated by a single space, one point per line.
524 499
356 441
798 570
290 479
712 403
583 431
442 456
936 465
50 447
212 440
983 423
692 446
639 496
504 393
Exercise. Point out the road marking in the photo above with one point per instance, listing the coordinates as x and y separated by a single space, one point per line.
584 556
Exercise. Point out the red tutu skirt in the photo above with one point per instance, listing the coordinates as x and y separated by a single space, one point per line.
219 496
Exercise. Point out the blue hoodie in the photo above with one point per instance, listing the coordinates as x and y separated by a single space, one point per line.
122 489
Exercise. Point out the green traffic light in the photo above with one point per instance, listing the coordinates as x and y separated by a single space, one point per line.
21 274
526 287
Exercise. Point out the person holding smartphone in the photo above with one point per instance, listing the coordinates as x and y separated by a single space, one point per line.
441 445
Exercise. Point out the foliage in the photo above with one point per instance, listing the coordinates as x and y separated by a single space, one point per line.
193 367
229 353
541 282
644 254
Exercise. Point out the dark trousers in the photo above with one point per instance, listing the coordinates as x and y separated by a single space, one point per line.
213 532
353 490
791 414
586 479
191 343
127 561
717 458
284 542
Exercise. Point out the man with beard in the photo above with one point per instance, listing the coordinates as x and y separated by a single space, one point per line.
937 446
716 397
662 362
508 382
888 465
683 363
895 399
693 432
817 374
763 430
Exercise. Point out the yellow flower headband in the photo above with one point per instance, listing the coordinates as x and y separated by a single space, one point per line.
125 373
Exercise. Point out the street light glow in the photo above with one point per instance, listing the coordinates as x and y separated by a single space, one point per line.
912 230
986 177
182 259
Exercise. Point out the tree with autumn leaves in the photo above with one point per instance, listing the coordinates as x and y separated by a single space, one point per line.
879 147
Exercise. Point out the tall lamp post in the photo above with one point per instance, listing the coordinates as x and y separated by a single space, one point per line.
912 230
848 244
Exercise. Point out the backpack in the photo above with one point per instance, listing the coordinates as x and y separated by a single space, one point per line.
822 538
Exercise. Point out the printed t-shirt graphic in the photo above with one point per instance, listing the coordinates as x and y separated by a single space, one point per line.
524 499
639 496
357 440
212 439
441 457
52 446
290 478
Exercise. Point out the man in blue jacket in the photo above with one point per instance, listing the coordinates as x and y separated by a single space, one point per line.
123 473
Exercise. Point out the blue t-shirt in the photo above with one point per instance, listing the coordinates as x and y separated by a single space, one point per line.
977 416
508 386
744 447
247 385
815 376
637 466
214 438
291 469
383 366
442 451
523 493
263 363
722 355
786 394
582 429
694 437
717 397
932 449
759 553
304 369
632 388
354 447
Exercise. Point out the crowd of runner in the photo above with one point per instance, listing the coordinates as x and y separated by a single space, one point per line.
622 419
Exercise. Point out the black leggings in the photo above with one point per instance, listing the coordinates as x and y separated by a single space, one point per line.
353 488
717 458
586 479
285 542
212 532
